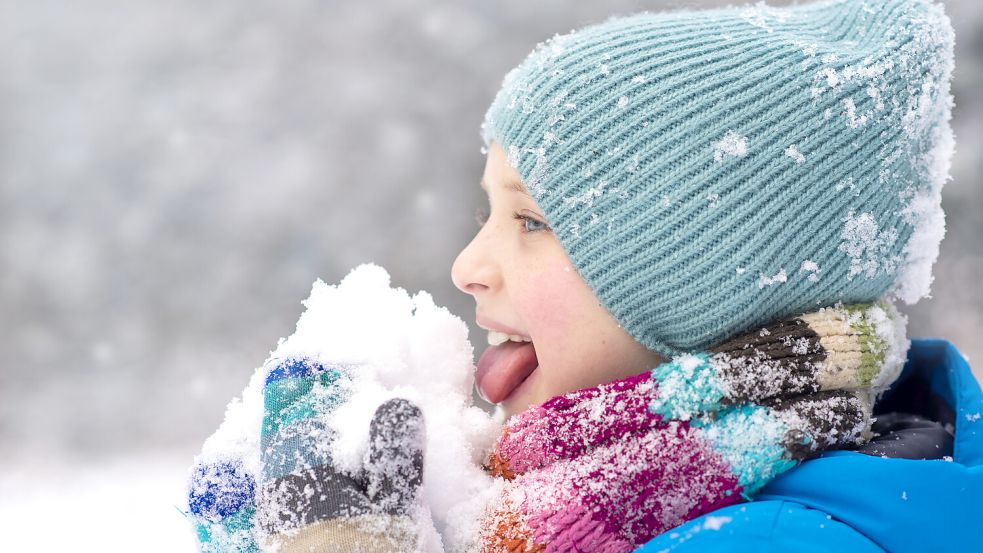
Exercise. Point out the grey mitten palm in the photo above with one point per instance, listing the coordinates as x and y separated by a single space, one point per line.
305 503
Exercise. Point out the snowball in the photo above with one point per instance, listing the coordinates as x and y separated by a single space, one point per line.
397 346
924 211
890 325
237 437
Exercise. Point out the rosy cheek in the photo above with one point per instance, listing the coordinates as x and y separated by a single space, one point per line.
551 305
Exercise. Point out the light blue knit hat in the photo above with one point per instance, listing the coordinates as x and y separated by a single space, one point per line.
708 171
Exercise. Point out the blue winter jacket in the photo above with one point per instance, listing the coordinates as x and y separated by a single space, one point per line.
877 500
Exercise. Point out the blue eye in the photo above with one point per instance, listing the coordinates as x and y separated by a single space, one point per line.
526 220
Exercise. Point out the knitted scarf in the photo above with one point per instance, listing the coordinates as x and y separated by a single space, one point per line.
607 468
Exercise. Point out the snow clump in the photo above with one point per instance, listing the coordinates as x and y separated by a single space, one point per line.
399 346
732 144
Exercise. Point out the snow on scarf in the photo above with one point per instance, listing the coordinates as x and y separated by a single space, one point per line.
607 468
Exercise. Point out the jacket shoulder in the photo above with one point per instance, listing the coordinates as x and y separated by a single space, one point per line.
762 527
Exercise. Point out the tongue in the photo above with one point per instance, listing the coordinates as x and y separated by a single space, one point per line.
503 367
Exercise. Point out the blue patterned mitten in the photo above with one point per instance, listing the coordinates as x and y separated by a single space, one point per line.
301 501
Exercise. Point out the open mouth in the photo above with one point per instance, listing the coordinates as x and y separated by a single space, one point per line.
503 368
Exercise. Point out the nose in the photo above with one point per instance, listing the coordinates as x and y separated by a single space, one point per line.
474 270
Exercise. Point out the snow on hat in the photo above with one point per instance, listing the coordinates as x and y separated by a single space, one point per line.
707 171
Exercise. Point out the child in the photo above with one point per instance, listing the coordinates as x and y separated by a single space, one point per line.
668 186
699 222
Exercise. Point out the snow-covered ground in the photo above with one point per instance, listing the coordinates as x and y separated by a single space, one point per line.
96 506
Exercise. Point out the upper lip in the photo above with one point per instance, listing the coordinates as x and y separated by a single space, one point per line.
488 324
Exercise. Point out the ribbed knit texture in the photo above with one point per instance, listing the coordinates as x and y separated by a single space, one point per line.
708 171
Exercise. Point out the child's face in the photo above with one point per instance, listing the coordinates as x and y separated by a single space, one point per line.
522 279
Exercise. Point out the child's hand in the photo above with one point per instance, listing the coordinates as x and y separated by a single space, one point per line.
300 501
305 503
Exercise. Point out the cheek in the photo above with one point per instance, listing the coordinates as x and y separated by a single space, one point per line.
553 306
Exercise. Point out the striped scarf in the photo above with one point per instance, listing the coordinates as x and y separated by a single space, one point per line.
607 468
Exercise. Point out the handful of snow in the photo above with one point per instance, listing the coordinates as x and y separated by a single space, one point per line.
400 346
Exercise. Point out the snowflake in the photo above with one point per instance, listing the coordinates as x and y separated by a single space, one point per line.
795 154
779 277
731 144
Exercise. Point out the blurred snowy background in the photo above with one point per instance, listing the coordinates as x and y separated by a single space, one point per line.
174 175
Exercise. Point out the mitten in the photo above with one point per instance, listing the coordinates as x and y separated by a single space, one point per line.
302 501
305 502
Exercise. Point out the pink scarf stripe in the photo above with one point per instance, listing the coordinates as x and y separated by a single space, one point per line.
569 425
602 473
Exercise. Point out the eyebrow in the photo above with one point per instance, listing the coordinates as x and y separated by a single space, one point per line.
514 186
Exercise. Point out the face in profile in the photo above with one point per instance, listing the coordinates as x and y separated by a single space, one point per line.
524 285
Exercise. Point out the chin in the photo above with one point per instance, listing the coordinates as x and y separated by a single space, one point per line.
511 406
524 396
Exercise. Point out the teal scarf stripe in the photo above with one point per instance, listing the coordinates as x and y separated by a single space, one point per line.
688 384
751 439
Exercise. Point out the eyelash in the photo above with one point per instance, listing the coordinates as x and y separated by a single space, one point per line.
525 218
481 216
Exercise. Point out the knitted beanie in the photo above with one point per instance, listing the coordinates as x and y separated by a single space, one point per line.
707 171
